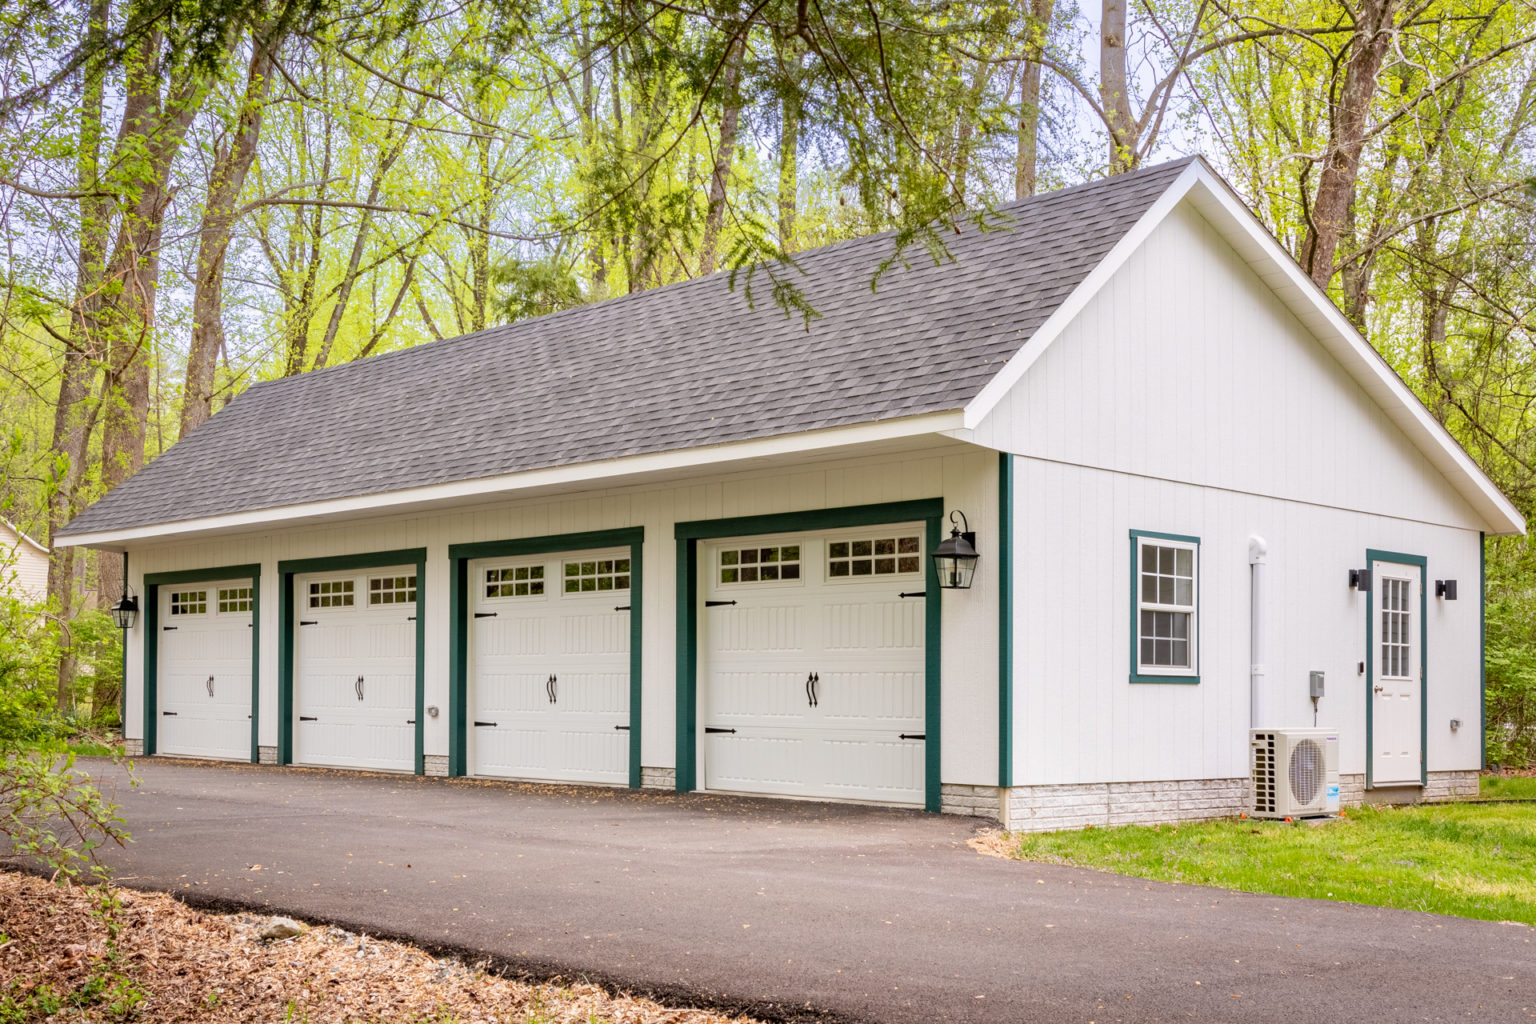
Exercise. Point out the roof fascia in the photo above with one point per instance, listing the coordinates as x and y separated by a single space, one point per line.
23 537
1215 200
512 483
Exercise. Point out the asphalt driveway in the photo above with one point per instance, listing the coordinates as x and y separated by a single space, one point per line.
791 910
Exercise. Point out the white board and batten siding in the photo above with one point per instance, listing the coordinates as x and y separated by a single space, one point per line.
23 565
1186 399
964 476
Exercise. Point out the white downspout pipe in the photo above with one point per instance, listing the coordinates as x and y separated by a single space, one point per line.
1258 561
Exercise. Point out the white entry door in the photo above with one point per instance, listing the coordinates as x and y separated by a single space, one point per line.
549 651
203 670
1397 676
812 671
354 670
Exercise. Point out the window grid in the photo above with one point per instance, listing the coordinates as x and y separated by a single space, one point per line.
189 602
331 594
392 589
1166 601
234 599
598 574
776 564
874 556
1396 619
515 581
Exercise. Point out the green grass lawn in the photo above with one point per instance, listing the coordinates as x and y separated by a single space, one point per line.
1508 787
1461 859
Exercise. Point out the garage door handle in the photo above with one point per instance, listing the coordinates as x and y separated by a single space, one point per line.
485 615
710 728
553 686
308 718
481 724
716 604
914 736
811 697
210 686
309 622
359 687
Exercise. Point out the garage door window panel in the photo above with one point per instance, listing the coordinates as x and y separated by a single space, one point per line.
234 599
332 593
189 602
514 581
864 557
596 576
778 563
391 590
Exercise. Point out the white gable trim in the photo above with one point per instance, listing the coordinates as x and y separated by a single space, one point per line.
600 473
1215 201
23 538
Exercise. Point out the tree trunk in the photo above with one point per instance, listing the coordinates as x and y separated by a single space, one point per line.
151 135
1114 90
71 419
224 187
787 49
1351 119
1025 166
480 241
730 120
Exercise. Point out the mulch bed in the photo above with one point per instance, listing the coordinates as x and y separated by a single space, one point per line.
186 965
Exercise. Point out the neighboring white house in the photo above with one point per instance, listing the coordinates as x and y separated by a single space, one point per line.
679 540
23 564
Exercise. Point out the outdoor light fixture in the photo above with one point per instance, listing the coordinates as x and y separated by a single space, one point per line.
1360 579
126 612
1445 589
955 558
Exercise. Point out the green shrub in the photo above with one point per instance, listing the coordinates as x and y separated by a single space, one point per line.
53 814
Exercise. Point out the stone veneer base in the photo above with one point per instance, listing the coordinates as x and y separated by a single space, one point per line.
435 765
658 778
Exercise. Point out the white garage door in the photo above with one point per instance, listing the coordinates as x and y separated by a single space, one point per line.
813 664
203 670
549 650
355 669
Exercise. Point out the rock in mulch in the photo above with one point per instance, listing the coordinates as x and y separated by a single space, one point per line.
220 969
281 928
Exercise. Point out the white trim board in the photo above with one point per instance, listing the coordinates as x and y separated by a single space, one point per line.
1216 202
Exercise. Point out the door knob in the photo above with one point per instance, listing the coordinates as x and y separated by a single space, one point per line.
1379 689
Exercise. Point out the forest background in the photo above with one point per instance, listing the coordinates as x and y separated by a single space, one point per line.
196 195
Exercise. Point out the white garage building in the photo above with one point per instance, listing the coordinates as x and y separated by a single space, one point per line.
679 540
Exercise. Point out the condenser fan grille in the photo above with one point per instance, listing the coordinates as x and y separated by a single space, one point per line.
1306 771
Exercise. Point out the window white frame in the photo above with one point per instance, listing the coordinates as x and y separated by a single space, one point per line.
532 585
1142 672
731 558
844 556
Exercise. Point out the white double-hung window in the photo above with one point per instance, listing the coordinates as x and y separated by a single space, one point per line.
1165 598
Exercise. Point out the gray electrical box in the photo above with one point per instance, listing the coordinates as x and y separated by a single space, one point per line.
1315 684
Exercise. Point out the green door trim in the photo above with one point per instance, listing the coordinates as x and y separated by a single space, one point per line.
286 571
688 535
152 584
1397 558
1482 648
459 557
1005 478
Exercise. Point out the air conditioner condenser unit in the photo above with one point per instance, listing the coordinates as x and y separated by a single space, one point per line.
1295 772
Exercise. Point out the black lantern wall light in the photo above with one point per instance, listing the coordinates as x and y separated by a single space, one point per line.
126 612
955 558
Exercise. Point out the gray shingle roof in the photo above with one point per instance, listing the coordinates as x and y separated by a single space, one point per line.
676 367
